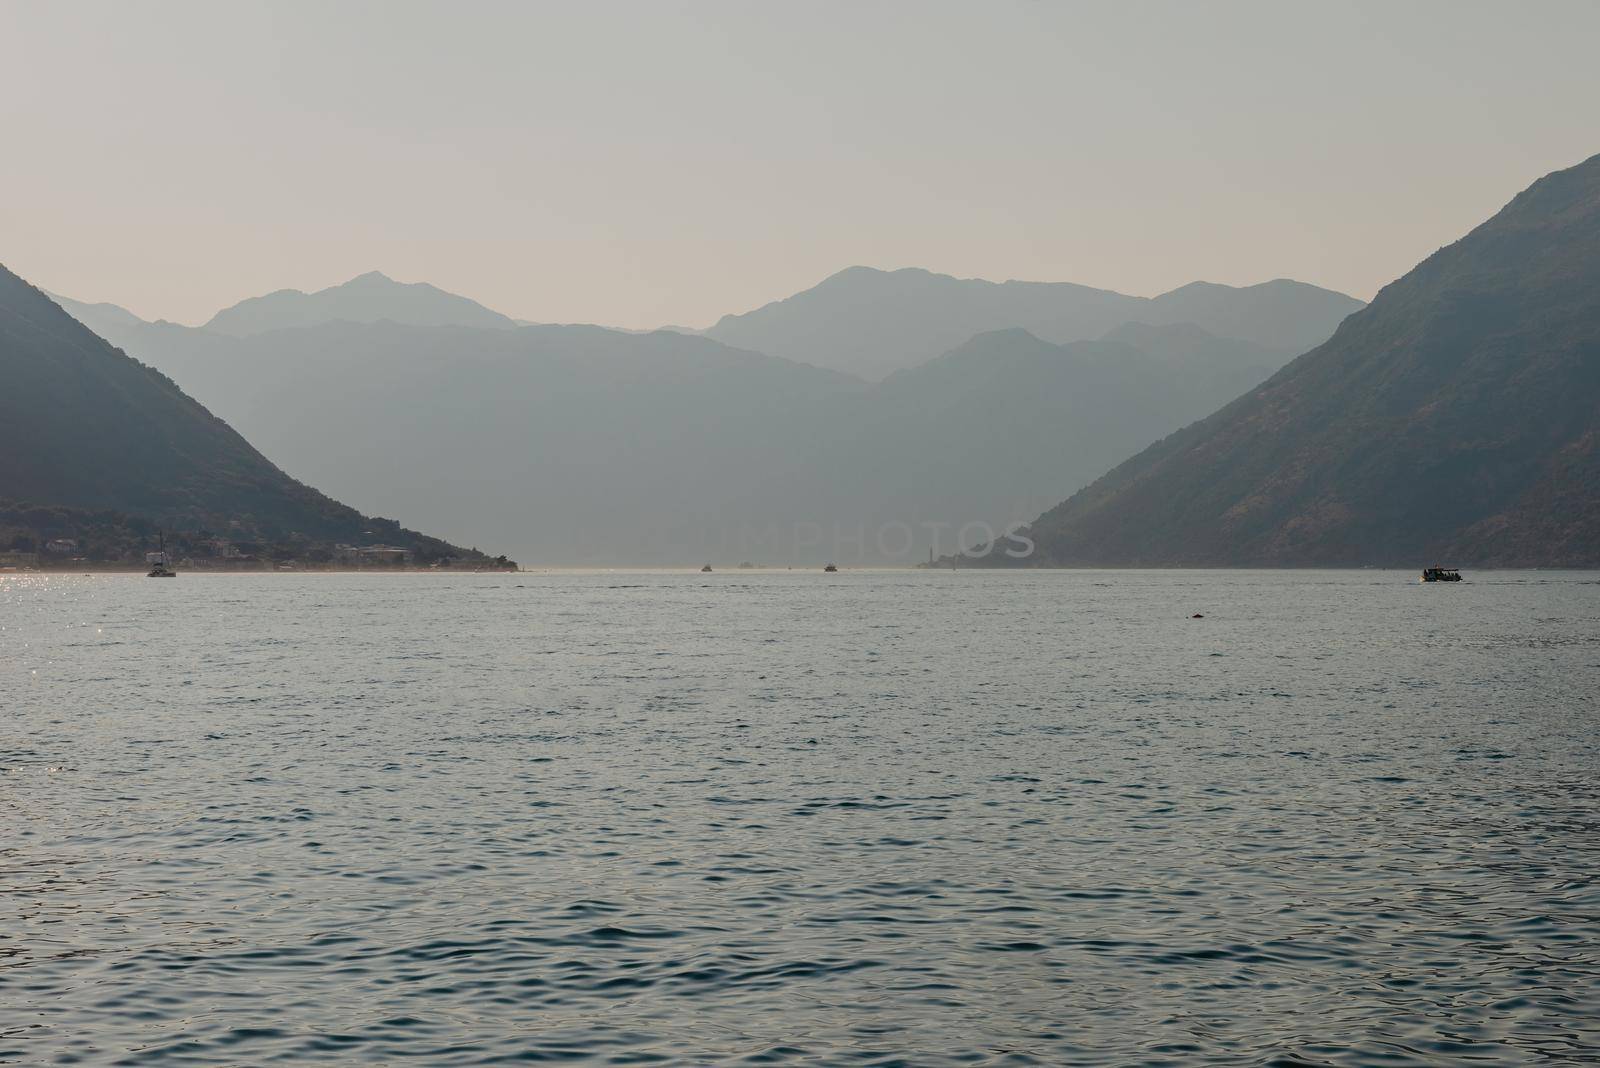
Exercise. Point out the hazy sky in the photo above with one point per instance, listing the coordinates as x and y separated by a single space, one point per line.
646 163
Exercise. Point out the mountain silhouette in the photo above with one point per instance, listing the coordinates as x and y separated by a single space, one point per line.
582 445
872 323
1455 421
84 426
370 298
993 431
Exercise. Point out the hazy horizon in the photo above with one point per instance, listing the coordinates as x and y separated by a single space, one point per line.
638 166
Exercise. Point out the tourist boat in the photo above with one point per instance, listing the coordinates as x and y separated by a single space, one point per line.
162 568
1441 574
705 569
830 567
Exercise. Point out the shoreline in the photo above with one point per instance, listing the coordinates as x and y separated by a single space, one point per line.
141 570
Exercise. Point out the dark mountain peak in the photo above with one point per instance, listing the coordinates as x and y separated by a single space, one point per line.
1558 192
1455 418
85 426
1558 206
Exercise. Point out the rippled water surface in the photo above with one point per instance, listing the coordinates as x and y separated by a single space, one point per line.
917 818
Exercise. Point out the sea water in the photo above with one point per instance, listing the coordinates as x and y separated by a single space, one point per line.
871 818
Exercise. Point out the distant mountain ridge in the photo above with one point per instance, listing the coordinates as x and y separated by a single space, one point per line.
871 323
1454 421
369 298
84 426
582 445
103 318
861 320
1280 314
588 445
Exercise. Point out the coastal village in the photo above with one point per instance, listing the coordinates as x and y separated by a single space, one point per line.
220 554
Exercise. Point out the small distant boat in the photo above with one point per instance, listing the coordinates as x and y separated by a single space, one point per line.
705 569
162 567
830 568
1441 574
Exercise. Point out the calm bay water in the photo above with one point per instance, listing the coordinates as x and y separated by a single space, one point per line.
946 818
